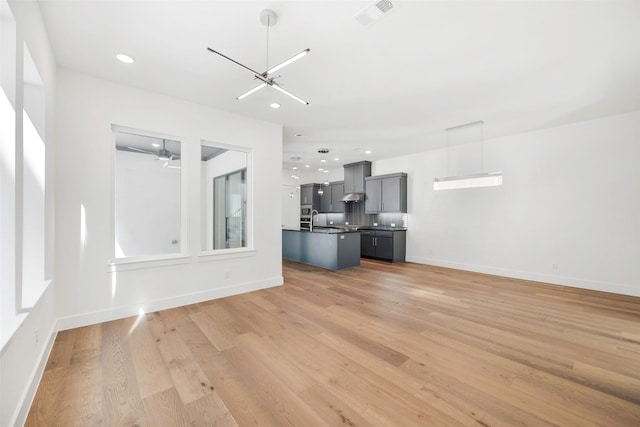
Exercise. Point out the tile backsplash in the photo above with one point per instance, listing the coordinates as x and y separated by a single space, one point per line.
354 215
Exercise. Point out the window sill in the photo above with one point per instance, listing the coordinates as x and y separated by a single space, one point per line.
125 264
224 254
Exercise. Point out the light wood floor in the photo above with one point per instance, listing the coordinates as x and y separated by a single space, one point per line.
385 345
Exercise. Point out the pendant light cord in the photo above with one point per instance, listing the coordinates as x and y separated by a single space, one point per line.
482 148
268 25
448 155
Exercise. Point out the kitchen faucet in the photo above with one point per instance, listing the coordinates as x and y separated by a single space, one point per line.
311 225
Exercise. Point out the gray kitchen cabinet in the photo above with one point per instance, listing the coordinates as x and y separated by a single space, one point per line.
367 243
330 198
325 199
309 195
383 244
354 175
386 193
337 191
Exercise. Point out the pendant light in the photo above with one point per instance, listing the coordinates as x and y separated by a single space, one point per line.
482 179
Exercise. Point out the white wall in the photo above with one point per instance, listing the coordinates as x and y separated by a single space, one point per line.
27 337
87 292
568 212
290 197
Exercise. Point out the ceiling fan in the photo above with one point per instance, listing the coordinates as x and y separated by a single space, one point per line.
162 154
268 18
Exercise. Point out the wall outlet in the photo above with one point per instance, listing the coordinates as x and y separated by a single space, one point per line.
227 274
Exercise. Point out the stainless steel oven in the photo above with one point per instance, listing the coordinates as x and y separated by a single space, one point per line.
305 217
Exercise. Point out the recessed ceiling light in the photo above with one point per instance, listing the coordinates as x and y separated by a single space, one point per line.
295 168
323 161
367 152
320 169
306 166
336 159
125 58
274 105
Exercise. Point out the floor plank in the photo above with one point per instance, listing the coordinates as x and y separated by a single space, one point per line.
381 344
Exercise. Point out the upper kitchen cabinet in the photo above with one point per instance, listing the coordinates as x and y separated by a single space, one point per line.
337 191
309 195
330 198
354 176
386 193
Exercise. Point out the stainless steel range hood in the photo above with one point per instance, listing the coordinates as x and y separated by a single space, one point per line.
352 197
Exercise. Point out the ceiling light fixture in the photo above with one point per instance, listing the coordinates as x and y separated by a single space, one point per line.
482 179
255 89
125 58
269 19
274 105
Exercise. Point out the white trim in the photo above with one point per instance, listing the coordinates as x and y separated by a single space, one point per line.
250 185
184 243
135 263
224 254
573 282
24 404
163 304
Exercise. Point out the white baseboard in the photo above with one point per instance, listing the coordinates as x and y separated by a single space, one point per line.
163 304
616 288
20 416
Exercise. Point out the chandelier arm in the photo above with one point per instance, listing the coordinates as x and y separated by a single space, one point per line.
257 74
287 62
249 92
300 100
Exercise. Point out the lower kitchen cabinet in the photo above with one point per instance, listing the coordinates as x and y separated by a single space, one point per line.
383 244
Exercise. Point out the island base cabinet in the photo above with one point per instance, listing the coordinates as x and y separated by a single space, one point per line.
383 244
326 250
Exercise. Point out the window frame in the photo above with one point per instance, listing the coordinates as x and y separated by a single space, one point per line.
116 264
206 255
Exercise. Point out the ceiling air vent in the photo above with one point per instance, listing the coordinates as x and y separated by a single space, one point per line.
374 11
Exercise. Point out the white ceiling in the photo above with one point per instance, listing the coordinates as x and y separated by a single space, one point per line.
391 87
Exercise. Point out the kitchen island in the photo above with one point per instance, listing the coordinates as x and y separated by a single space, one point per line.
330 248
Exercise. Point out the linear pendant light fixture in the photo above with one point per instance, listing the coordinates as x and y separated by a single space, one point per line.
482 179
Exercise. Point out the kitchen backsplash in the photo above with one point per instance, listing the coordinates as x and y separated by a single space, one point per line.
399 220
355 216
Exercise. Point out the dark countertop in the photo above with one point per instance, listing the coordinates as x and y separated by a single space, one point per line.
346 229
367 227
324 230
